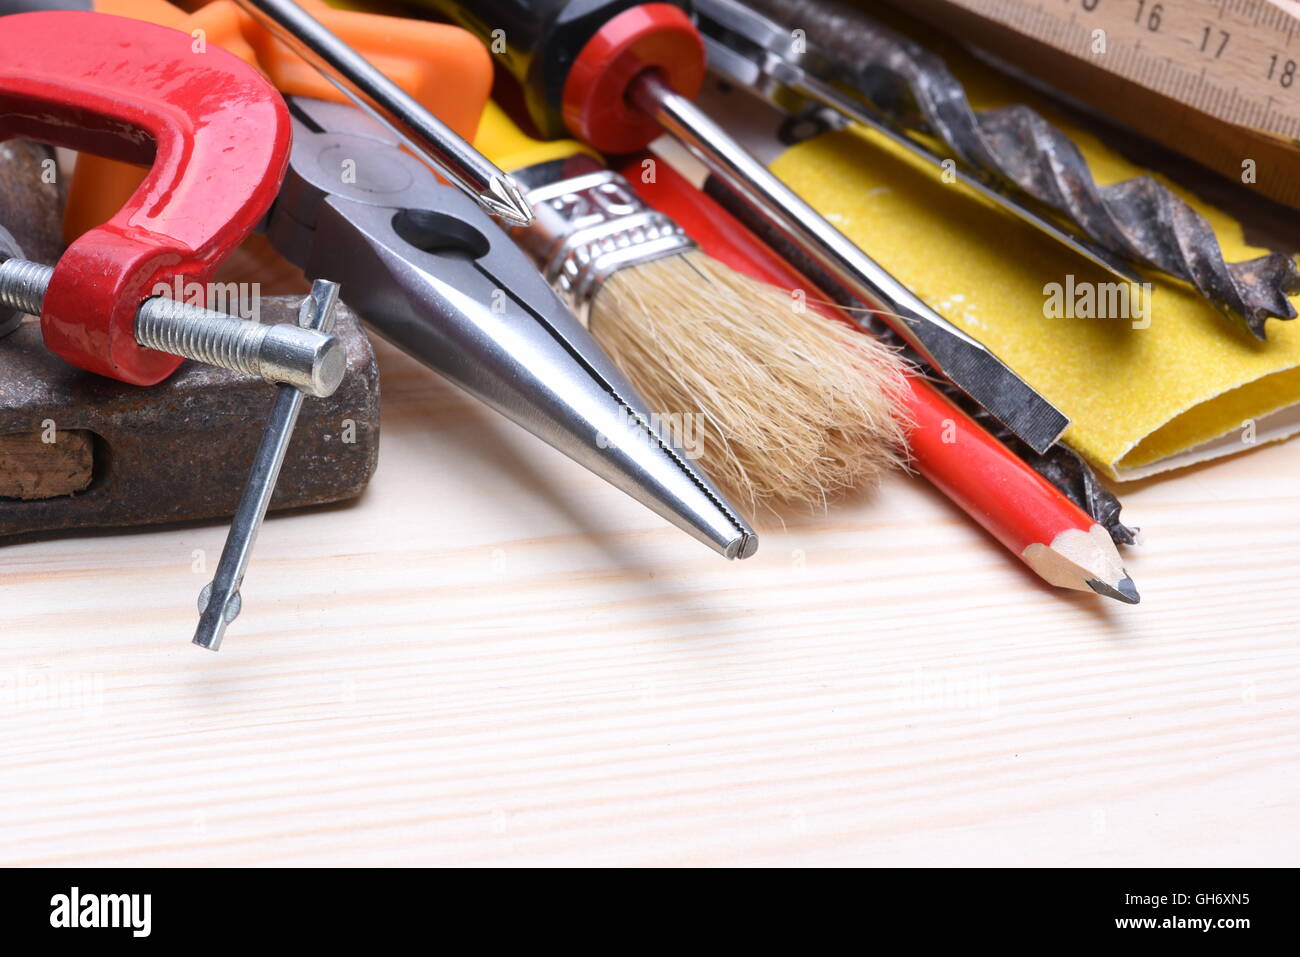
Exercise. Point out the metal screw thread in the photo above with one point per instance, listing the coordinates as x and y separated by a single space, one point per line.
308 359
23 285
164 324
200 334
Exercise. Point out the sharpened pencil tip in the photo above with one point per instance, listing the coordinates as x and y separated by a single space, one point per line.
1124 591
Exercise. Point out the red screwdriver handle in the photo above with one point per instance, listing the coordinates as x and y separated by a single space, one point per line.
575 60
215 133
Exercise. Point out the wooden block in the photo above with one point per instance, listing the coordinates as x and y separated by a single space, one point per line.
31 468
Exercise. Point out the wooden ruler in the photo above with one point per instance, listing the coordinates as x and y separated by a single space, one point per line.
1218 80
1236 60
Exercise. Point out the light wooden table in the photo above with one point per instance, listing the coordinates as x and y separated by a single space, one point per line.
495 658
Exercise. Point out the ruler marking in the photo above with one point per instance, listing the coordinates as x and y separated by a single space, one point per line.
1203 91
1231 87
1141 55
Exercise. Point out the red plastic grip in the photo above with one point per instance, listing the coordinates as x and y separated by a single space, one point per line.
654 36
215 132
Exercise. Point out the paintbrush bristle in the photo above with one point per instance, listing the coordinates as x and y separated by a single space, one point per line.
793 408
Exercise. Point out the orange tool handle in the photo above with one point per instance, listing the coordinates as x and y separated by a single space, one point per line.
444 67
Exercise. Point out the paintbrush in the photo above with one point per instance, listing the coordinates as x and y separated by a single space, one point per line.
783 405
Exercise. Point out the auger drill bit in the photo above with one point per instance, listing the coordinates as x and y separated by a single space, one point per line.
1137 218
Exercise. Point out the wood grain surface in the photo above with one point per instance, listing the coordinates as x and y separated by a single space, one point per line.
495 658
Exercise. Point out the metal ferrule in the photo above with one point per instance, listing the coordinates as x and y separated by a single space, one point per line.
588 224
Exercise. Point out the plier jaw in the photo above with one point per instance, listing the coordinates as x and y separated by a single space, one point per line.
436 276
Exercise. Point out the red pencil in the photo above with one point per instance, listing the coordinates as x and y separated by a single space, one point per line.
1017 506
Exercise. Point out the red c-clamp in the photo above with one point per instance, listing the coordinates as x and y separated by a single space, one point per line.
215 132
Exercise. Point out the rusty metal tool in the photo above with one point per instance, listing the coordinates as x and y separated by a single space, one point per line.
217 137
1013 145
79 451
755 53
32 197
1212 80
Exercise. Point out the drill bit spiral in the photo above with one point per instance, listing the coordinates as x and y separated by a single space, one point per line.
1137 218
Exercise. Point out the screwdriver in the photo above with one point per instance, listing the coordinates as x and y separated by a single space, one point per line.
616 74
367 87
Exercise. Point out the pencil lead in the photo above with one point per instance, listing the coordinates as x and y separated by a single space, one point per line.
1125 591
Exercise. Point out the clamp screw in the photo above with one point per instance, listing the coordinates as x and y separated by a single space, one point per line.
307 359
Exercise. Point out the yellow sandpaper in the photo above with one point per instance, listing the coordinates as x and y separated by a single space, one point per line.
1142 400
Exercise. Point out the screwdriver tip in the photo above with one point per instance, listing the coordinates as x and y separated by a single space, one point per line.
505 200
